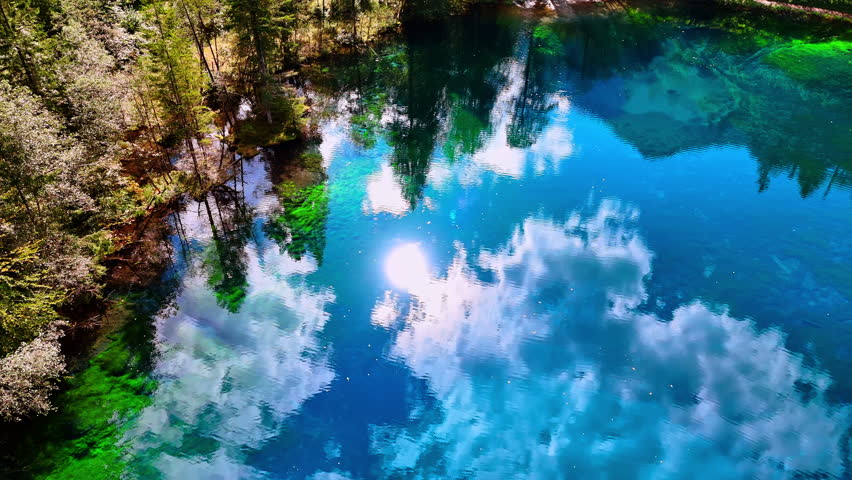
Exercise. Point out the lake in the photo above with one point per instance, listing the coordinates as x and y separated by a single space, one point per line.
613 246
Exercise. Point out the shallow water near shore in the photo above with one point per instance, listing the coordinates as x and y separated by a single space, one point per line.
605 247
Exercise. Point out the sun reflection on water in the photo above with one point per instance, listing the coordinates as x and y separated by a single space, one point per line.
406 267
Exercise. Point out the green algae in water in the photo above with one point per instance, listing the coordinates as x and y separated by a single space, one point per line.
312 162
825 65
546 40
300 229
367 123
83 439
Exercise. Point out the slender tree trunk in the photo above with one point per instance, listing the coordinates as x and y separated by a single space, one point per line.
219 210
178 99
210 217
831 181
354 23
261 60
205 36
191 149
322 26
33 219
215 49
184 243
525 92
198 44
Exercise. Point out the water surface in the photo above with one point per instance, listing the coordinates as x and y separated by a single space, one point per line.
603 247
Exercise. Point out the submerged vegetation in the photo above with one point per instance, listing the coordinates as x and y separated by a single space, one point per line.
94 407
300 229
824 64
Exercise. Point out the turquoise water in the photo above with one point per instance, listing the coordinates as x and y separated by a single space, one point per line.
598 248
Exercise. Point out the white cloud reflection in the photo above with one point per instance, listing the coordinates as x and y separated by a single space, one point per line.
547 370
227 381
384 193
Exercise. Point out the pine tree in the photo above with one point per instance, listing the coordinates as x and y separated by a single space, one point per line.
175 73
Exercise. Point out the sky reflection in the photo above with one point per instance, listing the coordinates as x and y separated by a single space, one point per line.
549 369
228 379
479 296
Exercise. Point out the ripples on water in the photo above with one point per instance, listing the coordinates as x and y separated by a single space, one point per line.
545 250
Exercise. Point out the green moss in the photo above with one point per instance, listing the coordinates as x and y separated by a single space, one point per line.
300 229
546 40
84 438
312 161
365 125
841 6
825 65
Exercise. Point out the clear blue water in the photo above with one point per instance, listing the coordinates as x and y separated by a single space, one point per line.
632 266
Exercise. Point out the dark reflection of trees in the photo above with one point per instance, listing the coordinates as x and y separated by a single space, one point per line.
479 44
600 47
705 86
226 270
224 260
421 104
793 128
798 133
531 108
299 227
440 83
450 94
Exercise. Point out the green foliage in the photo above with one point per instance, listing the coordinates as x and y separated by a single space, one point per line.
262 29
29 375
826 65
433 9
40 165
27 303
25 48
133 201
172 68
100 244
300 229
